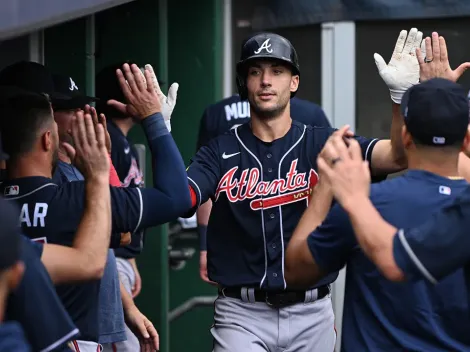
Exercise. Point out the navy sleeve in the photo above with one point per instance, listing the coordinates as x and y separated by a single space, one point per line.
204 172
332 242
36 246
36 306
169 197
438 247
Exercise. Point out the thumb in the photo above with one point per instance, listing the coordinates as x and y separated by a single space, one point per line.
69 150
380 62
172 94
459 71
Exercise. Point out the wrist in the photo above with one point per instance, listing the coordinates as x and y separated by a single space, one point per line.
354 204
97 179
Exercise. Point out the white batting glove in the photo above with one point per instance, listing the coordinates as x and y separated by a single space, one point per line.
402 71
168 103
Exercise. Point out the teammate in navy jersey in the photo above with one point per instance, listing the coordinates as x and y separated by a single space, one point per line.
429 252
131 210
12 337
220 117
378 314
259 176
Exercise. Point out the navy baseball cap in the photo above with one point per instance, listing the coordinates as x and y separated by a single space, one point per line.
436 112
30 76
10 236
72 96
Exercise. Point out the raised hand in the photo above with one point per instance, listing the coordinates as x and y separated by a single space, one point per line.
167 103
434 60
89 153
402 71
141 96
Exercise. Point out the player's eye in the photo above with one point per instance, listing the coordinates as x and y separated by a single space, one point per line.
277 71
254 72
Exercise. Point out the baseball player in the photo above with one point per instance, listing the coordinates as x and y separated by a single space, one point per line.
131 207
416 316
221 117
259 176
12 337
430 252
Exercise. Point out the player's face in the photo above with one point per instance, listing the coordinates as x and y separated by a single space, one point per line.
63 118
269 84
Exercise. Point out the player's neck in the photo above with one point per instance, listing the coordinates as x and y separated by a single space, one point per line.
269 130
28 167
445 166
124 125
3 300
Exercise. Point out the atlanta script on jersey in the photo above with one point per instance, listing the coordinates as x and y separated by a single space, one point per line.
260 191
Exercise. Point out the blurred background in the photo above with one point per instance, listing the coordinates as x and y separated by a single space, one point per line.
197 44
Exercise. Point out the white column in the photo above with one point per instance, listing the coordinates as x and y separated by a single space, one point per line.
36 47
228 69
339 104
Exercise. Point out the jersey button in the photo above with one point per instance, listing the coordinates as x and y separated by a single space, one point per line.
272 216
273 245
275 274
270 170
269 155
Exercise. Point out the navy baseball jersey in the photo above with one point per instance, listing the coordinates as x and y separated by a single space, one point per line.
260 191
35 305
126 162
380 315
52 213
229 112
12 338
444 235
111 322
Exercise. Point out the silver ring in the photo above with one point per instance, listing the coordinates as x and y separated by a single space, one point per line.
426 60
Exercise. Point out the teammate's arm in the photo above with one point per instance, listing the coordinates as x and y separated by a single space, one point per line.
135 208
87 257
300 266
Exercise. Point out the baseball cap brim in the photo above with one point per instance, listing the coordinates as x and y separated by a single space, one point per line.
62 102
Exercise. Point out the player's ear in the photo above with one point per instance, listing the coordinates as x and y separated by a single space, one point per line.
15 274
294 83
466 140
406 137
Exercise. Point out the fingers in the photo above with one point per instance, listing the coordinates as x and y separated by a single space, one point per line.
94 115
459 71
417 42
100 136
443 49
410 40
380 62
325 169
139 78
80 130
172 94
355 151
91 136
126 89
154 78
436 50
148 77
400 42
69 150
428 46
420 56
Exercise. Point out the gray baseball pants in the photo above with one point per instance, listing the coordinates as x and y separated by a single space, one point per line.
242 325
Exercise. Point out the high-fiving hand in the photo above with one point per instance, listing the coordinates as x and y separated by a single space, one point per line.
402 71
167 103
434 60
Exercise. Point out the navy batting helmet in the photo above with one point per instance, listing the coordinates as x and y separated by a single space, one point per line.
265 46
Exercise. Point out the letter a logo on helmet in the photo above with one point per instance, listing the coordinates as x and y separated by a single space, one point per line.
266 46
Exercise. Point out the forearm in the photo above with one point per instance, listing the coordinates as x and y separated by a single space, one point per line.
375 236
169 174
126 298
464 166
203 213
388 156
300 267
